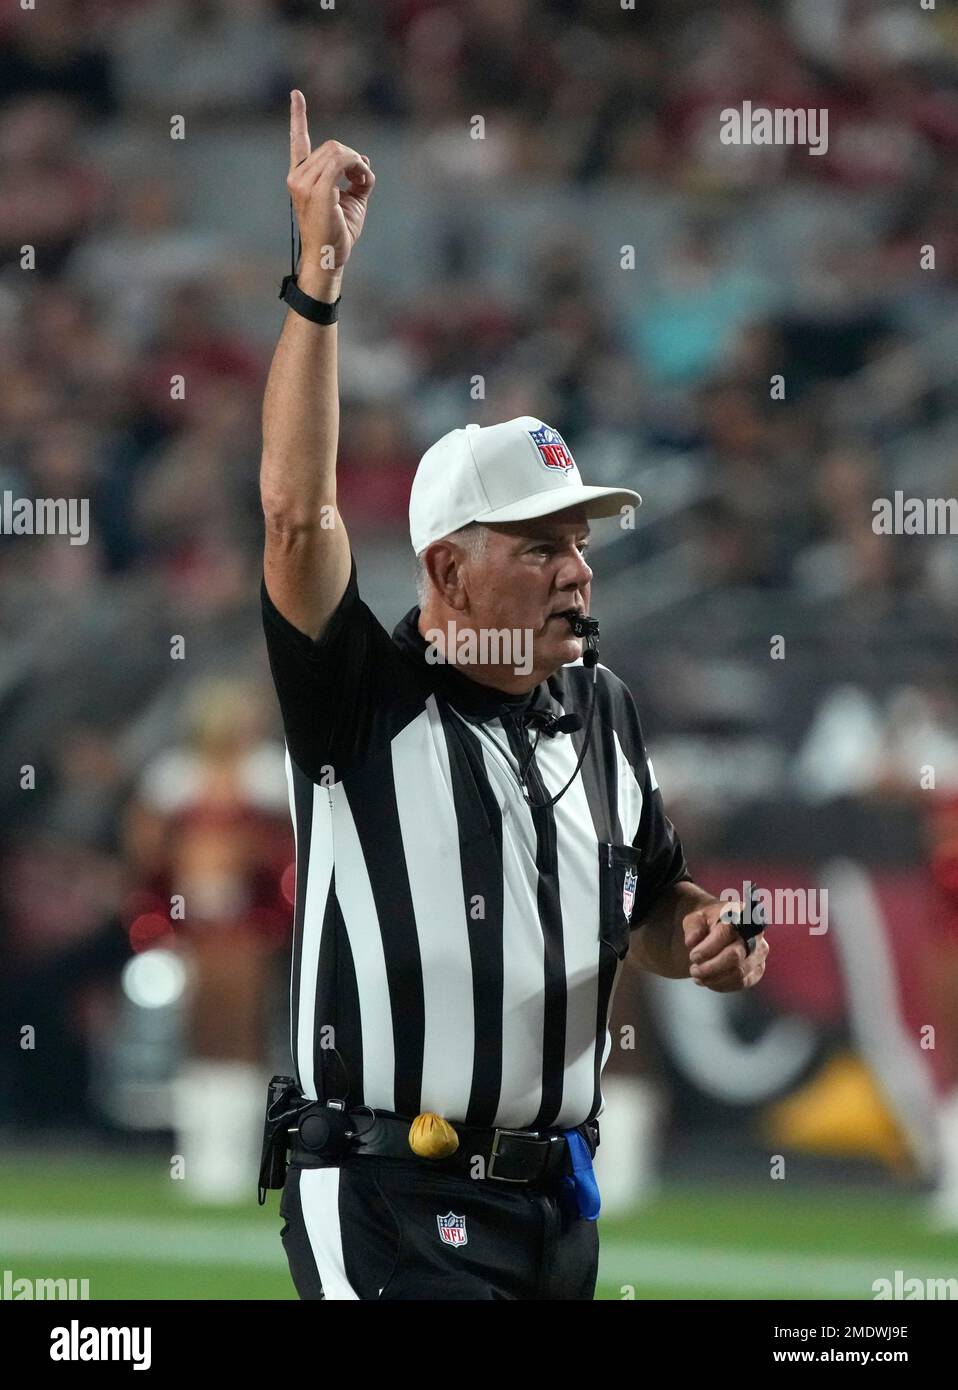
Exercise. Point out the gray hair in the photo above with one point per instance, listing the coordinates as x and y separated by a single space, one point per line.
472 537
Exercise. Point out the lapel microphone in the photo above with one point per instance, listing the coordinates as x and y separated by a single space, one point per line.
551 724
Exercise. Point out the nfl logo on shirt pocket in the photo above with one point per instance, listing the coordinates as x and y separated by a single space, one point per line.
452 1229
628 893
618 891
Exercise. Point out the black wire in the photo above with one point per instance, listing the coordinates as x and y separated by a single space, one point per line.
344 1099
358 1133
524 767
541 805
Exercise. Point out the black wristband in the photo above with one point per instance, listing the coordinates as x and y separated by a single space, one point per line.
313 309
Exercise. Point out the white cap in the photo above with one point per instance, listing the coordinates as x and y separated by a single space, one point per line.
509 472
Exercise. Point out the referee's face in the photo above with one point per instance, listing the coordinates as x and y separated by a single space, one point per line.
529 572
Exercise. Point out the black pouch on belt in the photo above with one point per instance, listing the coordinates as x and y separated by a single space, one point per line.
283 1103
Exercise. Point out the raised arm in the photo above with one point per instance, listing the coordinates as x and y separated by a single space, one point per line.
306 561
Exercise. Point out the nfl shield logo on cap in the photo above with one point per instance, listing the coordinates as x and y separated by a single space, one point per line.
452 1229
518 470
552 448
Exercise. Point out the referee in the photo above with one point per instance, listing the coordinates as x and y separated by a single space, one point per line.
480 838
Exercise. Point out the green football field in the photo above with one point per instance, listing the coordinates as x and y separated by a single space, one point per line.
125 1228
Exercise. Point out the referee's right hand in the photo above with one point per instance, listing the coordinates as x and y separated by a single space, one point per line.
307 559
330 218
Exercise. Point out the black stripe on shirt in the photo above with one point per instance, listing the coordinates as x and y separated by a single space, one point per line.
600 774
555 989
337 1004
371 793
480 853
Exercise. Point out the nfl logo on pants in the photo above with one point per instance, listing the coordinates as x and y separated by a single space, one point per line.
452 1229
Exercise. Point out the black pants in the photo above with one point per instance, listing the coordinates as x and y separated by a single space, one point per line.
373 1228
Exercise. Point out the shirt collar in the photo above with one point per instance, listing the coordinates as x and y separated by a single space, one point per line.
468 696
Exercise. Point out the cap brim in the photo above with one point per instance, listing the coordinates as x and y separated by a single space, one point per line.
597 501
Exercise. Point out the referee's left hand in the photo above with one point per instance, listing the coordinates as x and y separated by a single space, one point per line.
717 952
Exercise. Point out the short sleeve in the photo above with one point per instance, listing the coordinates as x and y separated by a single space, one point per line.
339 693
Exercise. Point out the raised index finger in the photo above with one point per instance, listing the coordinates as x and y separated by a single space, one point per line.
298 129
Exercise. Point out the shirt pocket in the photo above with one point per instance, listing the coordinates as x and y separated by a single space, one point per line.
618 885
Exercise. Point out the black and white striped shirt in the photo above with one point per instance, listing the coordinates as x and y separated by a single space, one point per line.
458 948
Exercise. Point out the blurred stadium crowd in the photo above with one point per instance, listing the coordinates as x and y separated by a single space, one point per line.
501 258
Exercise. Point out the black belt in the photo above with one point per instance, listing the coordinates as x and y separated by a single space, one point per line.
508 1155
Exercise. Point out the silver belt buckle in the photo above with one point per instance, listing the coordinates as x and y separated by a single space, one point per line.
519 1133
